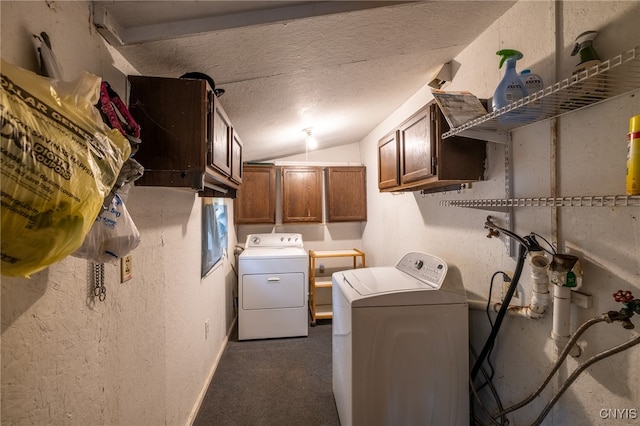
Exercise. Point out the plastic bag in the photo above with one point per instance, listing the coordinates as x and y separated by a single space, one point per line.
58 162
49 65
112 236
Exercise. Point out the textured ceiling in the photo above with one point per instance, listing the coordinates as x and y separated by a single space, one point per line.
339 67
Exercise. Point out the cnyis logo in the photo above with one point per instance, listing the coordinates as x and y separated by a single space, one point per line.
619 413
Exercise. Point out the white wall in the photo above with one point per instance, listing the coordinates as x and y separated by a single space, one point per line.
139 357
591 162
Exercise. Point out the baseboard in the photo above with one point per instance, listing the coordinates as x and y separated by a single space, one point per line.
203 391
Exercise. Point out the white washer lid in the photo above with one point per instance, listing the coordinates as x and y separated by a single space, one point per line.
370 281
417 279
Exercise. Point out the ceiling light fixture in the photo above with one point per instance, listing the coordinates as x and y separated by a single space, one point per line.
310 141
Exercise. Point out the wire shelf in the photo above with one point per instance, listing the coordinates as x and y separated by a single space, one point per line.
606 80
578 201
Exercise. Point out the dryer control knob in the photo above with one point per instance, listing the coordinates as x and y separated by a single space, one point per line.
419 264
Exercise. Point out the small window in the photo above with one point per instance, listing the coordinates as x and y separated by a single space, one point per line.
214 233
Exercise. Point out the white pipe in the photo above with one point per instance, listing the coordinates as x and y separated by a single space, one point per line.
562 302
561 315
540 298
540 289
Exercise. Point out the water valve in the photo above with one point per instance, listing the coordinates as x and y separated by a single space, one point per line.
624 296
631 306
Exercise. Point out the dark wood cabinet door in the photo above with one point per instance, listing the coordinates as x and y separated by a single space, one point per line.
417 147
459 158
301 194
171 113
220 140
388 167
346 194
236 158
256 200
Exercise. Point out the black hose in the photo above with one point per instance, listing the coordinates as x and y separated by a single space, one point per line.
503 310
475 419
494 392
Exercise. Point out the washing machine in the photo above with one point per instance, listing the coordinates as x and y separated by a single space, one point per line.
400 344
273 287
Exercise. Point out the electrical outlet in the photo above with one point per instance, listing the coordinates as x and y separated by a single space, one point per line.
126 268
206 329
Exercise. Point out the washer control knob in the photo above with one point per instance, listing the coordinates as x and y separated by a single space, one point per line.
419 264
255 240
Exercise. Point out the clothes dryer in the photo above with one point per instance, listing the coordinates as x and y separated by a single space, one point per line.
400 344
273 287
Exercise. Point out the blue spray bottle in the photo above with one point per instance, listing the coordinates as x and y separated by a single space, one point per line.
511 87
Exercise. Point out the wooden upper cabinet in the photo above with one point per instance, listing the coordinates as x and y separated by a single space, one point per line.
256 201
388 167
301 194
186 136
346 194
417 148
423 160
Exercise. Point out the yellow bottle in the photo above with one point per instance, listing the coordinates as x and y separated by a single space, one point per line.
633 156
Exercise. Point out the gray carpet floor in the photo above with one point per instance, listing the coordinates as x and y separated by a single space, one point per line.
273 382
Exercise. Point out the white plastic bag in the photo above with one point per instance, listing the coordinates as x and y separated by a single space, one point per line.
112 236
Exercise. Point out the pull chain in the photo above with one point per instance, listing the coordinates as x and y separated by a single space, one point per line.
99 290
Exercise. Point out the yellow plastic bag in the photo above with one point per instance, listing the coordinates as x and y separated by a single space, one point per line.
58 161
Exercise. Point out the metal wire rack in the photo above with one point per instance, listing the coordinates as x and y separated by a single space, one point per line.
577 201
609 79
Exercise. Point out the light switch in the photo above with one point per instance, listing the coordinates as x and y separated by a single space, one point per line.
126 268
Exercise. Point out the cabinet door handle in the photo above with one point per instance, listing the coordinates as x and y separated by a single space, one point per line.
273 279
